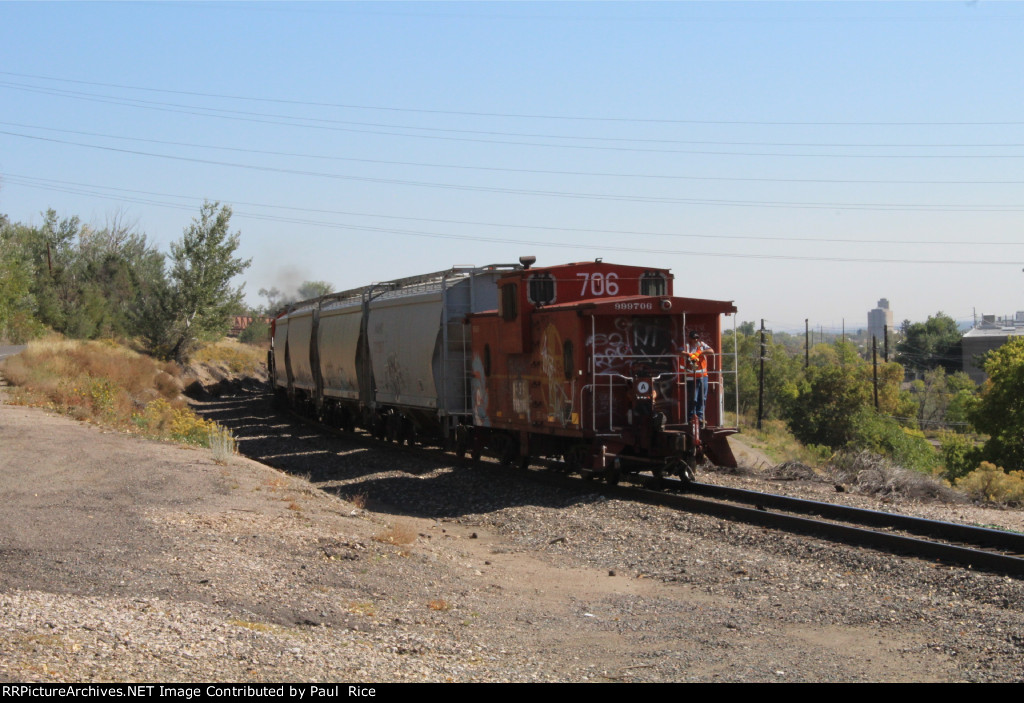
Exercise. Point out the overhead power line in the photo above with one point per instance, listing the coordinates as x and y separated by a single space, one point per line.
334 125
497 169
588 246
909 207
512 115
94 189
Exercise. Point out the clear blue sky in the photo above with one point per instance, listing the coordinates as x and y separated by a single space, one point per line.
802 159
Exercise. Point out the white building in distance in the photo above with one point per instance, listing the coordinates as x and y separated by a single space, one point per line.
879 319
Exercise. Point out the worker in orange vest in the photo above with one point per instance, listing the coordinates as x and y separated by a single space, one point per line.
696 355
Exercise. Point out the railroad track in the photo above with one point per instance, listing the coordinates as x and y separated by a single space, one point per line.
951 543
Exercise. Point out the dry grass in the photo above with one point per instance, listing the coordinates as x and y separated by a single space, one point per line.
363 608
107 384
440 605
872 474
238 358
775 440
358 500
276 483
398 535
222 445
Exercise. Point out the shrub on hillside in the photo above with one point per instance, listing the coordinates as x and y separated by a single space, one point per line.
989 482
959 455
104 383
885 436
870 473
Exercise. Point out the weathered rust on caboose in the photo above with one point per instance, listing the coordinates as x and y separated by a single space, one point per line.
580 361
585 361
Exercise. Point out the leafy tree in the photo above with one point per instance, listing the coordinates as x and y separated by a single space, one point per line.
926 345
274 299
942 398
314 289
17 304
824 407
782 372
84 282
959 455
999 412
200 299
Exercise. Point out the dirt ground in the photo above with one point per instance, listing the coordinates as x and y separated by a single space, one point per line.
123 559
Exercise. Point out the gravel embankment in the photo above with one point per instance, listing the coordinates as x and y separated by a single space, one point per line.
122 559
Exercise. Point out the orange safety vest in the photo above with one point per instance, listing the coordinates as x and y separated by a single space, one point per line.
695 360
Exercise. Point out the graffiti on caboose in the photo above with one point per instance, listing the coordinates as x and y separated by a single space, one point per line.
479 389
557 402
632 339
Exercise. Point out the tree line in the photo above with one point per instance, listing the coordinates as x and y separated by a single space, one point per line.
827 396
112 282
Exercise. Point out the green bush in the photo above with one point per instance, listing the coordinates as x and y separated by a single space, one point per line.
991 483
959 455
885 436
258 332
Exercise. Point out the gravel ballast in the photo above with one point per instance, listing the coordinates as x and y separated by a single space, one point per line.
123 559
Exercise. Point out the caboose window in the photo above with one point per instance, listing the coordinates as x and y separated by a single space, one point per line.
653 283
509 301
542 289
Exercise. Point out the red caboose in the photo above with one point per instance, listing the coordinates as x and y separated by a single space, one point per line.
587 361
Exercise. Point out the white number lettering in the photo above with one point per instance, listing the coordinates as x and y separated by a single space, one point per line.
585 277
600 284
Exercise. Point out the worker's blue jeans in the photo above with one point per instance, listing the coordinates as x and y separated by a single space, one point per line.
698 391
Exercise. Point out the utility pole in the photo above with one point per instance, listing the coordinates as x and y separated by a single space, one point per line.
760 380
874 364
807 344
885 355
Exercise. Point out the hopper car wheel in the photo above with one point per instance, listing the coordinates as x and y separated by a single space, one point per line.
656 482
392 429
509 452
461 445
612 476
574 459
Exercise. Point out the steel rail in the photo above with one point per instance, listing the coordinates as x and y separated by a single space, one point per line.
710 501
978 536
971 557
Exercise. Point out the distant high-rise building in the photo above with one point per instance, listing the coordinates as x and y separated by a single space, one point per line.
879 319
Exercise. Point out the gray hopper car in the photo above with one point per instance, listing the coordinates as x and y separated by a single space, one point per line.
392 357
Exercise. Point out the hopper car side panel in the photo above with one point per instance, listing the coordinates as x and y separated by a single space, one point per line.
338 345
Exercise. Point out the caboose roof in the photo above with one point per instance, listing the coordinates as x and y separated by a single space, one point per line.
570 269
